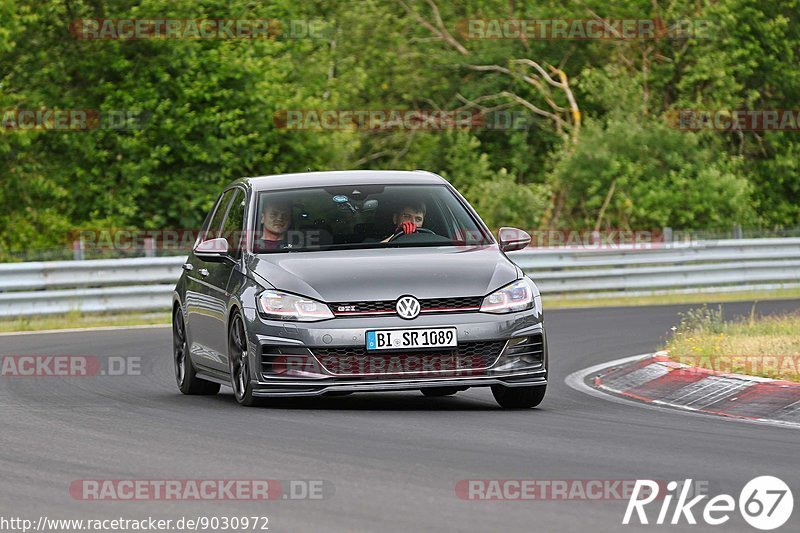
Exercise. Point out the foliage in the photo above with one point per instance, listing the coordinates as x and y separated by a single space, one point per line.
210 106
766 346
649 176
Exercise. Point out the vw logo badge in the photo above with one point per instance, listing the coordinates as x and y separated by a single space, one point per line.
407 307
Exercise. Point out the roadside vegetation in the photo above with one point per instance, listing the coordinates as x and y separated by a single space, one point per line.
566 301
82 320
596 145
767 346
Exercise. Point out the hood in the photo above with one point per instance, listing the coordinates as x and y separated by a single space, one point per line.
387 273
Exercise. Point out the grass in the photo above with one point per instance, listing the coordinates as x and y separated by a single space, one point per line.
568 302
758 346
77 319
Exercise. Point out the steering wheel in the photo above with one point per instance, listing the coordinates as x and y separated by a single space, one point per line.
418 230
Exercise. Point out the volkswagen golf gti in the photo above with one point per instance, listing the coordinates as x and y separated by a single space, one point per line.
329 283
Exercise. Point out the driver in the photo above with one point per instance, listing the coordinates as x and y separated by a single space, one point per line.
407 219
276 217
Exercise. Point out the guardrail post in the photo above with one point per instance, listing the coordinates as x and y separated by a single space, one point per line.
77 250
737 231
667 234
149 247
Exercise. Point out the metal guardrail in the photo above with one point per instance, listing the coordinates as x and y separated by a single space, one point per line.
145 284
678 267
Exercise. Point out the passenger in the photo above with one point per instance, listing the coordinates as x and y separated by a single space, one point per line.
276 217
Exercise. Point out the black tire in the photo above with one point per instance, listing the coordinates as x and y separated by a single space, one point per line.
436 392
185 374
519 397
239 363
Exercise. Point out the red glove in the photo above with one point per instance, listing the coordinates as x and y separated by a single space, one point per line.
407 227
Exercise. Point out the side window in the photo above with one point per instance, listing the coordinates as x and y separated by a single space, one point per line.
215 225
232 227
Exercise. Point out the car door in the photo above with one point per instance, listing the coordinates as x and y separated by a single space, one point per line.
206 300
225 274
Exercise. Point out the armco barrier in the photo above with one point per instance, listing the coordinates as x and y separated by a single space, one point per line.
145 284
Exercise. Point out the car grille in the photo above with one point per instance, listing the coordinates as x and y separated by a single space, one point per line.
466 359
387 307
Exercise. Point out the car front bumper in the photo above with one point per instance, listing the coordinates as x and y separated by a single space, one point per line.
472 327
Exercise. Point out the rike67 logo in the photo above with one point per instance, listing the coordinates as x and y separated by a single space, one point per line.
765 503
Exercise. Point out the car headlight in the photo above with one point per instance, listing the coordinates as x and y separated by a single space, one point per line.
285 306
517 296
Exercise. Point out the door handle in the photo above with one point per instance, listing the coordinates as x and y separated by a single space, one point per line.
203 272
188 267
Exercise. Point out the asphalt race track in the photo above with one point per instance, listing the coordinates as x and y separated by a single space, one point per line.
392 459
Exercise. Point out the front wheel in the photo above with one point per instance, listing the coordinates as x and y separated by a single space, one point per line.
239 363
185 375
518 397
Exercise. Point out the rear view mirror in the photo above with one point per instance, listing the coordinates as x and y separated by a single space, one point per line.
513 239
214 250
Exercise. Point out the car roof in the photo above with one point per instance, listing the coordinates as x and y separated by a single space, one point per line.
343 177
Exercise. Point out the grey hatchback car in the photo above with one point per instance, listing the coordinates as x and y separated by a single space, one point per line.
329 283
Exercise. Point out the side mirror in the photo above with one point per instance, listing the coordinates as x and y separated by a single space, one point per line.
212 250
513 239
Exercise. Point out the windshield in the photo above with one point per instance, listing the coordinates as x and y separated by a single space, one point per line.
363 216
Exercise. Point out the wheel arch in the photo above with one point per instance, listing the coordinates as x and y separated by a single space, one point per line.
177 304
234 308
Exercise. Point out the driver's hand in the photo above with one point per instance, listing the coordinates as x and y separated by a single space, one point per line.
407 227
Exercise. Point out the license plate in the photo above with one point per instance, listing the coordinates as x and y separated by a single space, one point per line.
398 339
